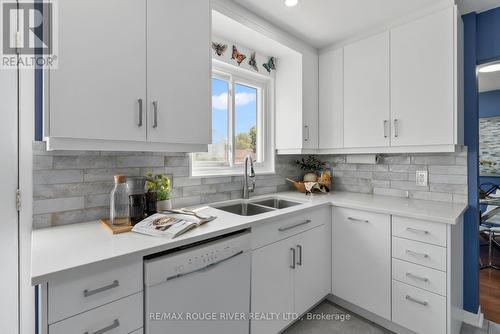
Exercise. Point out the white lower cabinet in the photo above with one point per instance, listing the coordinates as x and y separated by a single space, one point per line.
361 259
427 271
123 316
418 310
419 276
98 298
272 285
289 277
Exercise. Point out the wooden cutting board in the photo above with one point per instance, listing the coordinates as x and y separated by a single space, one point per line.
115 229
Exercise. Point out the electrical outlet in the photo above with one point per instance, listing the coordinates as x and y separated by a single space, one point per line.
421 178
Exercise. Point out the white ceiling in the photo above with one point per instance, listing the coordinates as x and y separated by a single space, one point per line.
467 6
489 81
324 22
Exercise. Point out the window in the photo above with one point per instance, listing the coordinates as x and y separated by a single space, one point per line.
241 123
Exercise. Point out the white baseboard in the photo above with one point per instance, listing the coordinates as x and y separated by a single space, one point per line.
474 319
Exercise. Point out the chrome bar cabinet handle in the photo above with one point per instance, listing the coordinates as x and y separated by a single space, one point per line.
289 227
357 220
293 258
416 230
306 135
88 293
421 302
139 123
155 114
299 251
422 255
115 324
396 127
386 123
423 279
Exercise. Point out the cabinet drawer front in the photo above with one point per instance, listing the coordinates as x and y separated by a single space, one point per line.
91 286
419 230
420 311
422 277
120 317
282 228
420 253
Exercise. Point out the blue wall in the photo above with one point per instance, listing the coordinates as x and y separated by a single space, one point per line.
481 45
471 138
489 103
488 36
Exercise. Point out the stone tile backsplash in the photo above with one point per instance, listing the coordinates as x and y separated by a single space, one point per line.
74 186
71 186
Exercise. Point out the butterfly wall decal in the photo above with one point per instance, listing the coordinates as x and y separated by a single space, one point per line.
239 57
269 65
219 48
252 62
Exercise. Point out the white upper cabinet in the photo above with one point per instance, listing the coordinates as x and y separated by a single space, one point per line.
136 78
422 81
179 71
95 92
297 103
331 99
395 92
366 92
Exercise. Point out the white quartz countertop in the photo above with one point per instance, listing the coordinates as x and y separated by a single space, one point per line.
58 249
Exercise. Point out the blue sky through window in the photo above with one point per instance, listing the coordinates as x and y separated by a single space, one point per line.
219 111
245 113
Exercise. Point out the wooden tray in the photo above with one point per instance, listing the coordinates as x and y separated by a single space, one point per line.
115 229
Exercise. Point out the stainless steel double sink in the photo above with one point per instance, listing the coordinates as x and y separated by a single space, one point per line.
255 207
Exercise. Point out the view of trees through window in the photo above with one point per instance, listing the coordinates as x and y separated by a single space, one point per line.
245 122
238 123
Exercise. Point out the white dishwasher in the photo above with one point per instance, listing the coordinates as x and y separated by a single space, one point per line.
204 288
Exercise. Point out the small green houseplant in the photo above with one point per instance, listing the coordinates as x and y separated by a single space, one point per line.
159 184
312 165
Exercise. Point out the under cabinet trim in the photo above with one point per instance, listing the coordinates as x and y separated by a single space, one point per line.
75 144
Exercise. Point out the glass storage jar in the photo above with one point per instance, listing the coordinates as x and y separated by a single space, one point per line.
119 213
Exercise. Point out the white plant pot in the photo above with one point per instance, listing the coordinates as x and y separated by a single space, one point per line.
163 205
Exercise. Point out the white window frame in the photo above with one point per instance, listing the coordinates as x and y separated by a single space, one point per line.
265 122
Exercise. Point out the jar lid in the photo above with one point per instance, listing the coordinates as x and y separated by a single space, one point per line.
120 179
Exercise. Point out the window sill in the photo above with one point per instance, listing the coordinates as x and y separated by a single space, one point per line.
227 172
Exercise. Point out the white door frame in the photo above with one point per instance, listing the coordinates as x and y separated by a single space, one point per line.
26 137
9 236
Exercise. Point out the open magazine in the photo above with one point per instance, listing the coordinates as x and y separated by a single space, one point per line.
169 225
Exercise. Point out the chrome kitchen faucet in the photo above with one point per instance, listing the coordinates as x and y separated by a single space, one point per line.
247 189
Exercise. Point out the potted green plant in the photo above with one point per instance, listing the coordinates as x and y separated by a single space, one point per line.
160 185
312 165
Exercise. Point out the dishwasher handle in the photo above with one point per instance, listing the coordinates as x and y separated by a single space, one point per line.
207 267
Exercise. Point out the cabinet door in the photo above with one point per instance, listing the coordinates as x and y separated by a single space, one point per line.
272 285
313 267
331 99
361 254
310 100
422 81
366 92
101 76
179 71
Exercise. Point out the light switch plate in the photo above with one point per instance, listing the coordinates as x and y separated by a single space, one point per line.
421 178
